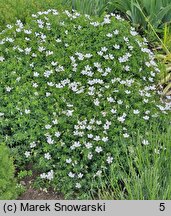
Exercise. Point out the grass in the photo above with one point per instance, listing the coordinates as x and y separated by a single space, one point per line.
147 176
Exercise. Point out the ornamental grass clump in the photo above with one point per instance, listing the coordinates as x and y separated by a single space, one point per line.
74 90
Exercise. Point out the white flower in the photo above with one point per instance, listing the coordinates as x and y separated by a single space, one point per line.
97 138
88 55
90 136
43 175
36 74
104 49
116 32
8 89
146 117
110 99
145 142
98 173
98 122
116 46
49 175
98 149
113 111
78 185
105 139
18 79
88 145
90 156
145 100
54 63
106 57
35 85
27 154
136 112
89 127
100 53
103 114
48 126
47 156
9 26
95 24
133 33
156 151
68 160
126 39
120 102
32 145
27 111
58 40
36 93
125 135
121 119
106 20
27 39
77 144
96 102
109 35
50 140
41 49
71 175
106 126
147 112
111 56
80 175
48 94
69 112
57 134
127 68
109 160
27 31
1 114
55 121
2 58
48 73
27 50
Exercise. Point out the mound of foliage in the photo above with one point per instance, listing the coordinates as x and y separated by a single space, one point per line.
7 183
75 89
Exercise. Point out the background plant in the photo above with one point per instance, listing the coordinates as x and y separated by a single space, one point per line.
156 12
95 7
8 186
147 175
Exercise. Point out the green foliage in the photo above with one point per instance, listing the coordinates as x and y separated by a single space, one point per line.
74 91
24 173
147 176
94 7
11 10
7 182
164 56
143 12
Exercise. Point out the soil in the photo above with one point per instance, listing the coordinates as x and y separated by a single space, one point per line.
34 194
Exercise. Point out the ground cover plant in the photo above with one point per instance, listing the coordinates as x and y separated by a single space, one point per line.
75 91
11 10
151 18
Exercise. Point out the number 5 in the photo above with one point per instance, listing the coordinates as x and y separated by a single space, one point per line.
162 206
